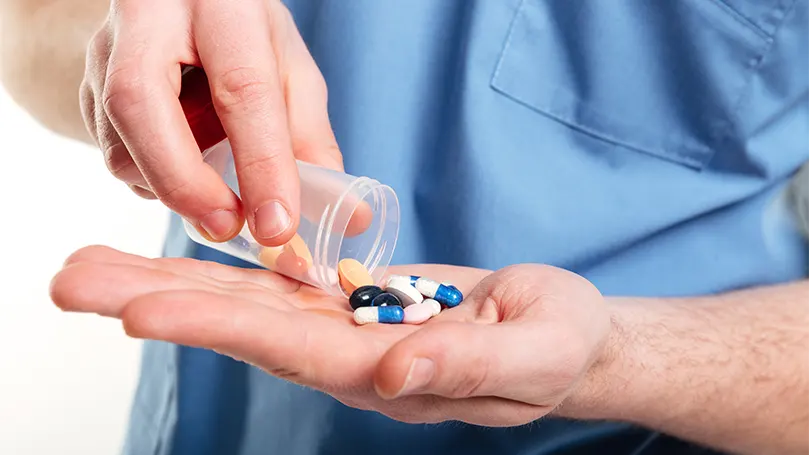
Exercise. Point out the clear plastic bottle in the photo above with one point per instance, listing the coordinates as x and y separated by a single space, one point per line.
342 216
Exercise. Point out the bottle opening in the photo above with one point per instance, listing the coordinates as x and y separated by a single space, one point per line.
363 224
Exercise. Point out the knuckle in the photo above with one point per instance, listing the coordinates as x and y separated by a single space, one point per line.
239 88
124 90
173 194
119 163
470 383
264 163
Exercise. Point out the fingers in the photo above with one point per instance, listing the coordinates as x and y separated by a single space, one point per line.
308 349
514 361
306 97
139 103
189 268
105 289
234 45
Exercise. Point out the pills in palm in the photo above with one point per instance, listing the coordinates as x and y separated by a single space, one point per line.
401 288
390 314
363 296
418 298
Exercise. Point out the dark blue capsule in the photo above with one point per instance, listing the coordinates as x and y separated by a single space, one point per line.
391 314
386 299
449 296
363 296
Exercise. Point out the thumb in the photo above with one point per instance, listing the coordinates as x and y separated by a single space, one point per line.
462 360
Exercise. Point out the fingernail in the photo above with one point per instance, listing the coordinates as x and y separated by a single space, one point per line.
219 224
420 374
272 219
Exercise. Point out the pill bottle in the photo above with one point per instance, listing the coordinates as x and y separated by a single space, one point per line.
342 216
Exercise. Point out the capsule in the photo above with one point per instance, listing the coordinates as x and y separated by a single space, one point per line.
447 295
390 314
411 278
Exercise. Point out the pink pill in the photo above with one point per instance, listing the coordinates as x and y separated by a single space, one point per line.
417 314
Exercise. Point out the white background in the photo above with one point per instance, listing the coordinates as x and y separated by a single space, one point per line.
66 380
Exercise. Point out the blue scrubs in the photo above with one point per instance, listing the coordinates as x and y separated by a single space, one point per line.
643 144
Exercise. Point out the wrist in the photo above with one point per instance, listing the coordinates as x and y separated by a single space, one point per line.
593 396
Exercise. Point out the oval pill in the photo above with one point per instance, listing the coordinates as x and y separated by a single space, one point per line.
386 299
379 314
417 314
400 287
353 275
363 296
434 306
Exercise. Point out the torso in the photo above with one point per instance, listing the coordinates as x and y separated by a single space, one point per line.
644 145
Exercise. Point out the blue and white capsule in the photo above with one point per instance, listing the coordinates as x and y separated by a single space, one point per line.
379 314
445 293
411 278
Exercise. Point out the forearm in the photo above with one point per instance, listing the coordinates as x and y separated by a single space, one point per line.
43 48
729 371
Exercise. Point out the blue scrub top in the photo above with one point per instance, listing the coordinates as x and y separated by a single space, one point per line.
644 145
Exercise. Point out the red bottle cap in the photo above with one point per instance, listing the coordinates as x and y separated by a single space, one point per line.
195 99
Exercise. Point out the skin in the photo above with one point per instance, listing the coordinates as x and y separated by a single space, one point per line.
728 371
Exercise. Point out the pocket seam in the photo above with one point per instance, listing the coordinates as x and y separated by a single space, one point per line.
743 20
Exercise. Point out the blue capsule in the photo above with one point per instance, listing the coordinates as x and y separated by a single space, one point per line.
390 314
446 294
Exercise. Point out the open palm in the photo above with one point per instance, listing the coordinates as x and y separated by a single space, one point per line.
301 334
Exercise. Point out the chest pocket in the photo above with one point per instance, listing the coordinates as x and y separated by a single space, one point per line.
659 77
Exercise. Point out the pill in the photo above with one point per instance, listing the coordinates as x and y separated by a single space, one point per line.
417 314
390 314
363 296
434 306
268 256
400 287
446 294
386 299
291 265
353 275
409 278
298 246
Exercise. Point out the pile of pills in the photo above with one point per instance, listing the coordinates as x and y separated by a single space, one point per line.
404 299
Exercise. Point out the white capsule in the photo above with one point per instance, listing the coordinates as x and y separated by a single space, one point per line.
400 287
384 315
427 287
434 306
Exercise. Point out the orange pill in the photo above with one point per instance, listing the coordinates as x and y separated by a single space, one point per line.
298 246
353 275
268 256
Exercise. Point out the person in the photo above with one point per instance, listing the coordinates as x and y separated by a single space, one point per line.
605 181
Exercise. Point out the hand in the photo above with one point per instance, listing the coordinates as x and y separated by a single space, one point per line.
521 342
265 88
